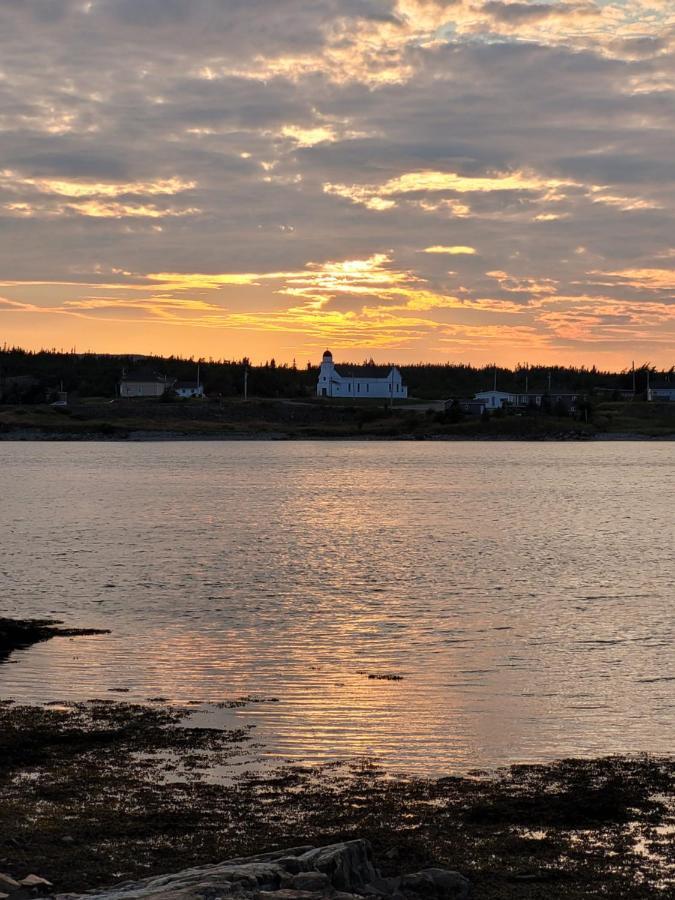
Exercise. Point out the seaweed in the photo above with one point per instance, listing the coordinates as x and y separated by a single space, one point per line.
95 792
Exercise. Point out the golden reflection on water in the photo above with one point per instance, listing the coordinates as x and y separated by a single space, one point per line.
523 592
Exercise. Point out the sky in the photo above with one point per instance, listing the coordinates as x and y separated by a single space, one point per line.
469 181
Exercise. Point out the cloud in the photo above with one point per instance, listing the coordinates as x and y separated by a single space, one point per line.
429 182
202 152
648 279
77 189
458 250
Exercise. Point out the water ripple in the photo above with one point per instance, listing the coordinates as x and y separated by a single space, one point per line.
522 592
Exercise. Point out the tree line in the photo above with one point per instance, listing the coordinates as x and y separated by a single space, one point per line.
27 376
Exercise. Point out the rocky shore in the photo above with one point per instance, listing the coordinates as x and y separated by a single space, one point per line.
95 793
17 634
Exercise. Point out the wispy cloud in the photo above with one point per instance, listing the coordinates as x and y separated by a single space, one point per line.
457 250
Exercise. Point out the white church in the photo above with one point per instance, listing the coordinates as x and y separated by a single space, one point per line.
358 383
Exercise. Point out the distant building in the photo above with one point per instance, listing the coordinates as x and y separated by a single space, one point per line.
495 399
360 383
664 390
188 389
144 383
555 398
502 399
612 393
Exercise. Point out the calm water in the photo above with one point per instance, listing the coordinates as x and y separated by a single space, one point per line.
524 592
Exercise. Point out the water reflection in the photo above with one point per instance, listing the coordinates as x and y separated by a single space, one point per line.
523 591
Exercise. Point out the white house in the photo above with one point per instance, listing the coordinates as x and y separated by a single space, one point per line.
496 399
188 389
361 383
664 391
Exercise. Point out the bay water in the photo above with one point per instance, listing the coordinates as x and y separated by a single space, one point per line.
435 606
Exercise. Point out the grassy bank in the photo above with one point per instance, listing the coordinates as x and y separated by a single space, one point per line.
95 793
296 420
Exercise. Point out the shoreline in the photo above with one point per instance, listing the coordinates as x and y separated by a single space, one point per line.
36 436
287 419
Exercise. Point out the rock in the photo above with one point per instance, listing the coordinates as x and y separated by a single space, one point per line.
347 865
288 894
8 885
290 864
381 887
36 883
435 883
310 881
342 871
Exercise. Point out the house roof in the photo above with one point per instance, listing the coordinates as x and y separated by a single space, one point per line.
144 376
532 394
374 373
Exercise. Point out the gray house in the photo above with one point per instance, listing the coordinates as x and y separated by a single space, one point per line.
144 383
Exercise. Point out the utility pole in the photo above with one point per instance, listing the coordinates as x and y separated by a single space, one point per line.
633 367
245 383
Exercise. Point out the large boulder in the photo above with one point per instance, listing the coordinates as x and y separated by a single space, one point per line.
342 871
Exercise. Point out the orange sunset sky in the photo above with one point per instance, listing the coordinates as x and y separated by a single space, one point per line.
463 180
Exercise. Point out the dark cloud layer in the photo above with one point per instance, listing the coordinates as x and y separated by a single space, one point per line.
438 143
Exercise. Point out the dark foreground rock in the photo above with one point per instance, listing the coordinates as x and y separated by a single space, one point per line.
27 888
343 871
16 634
